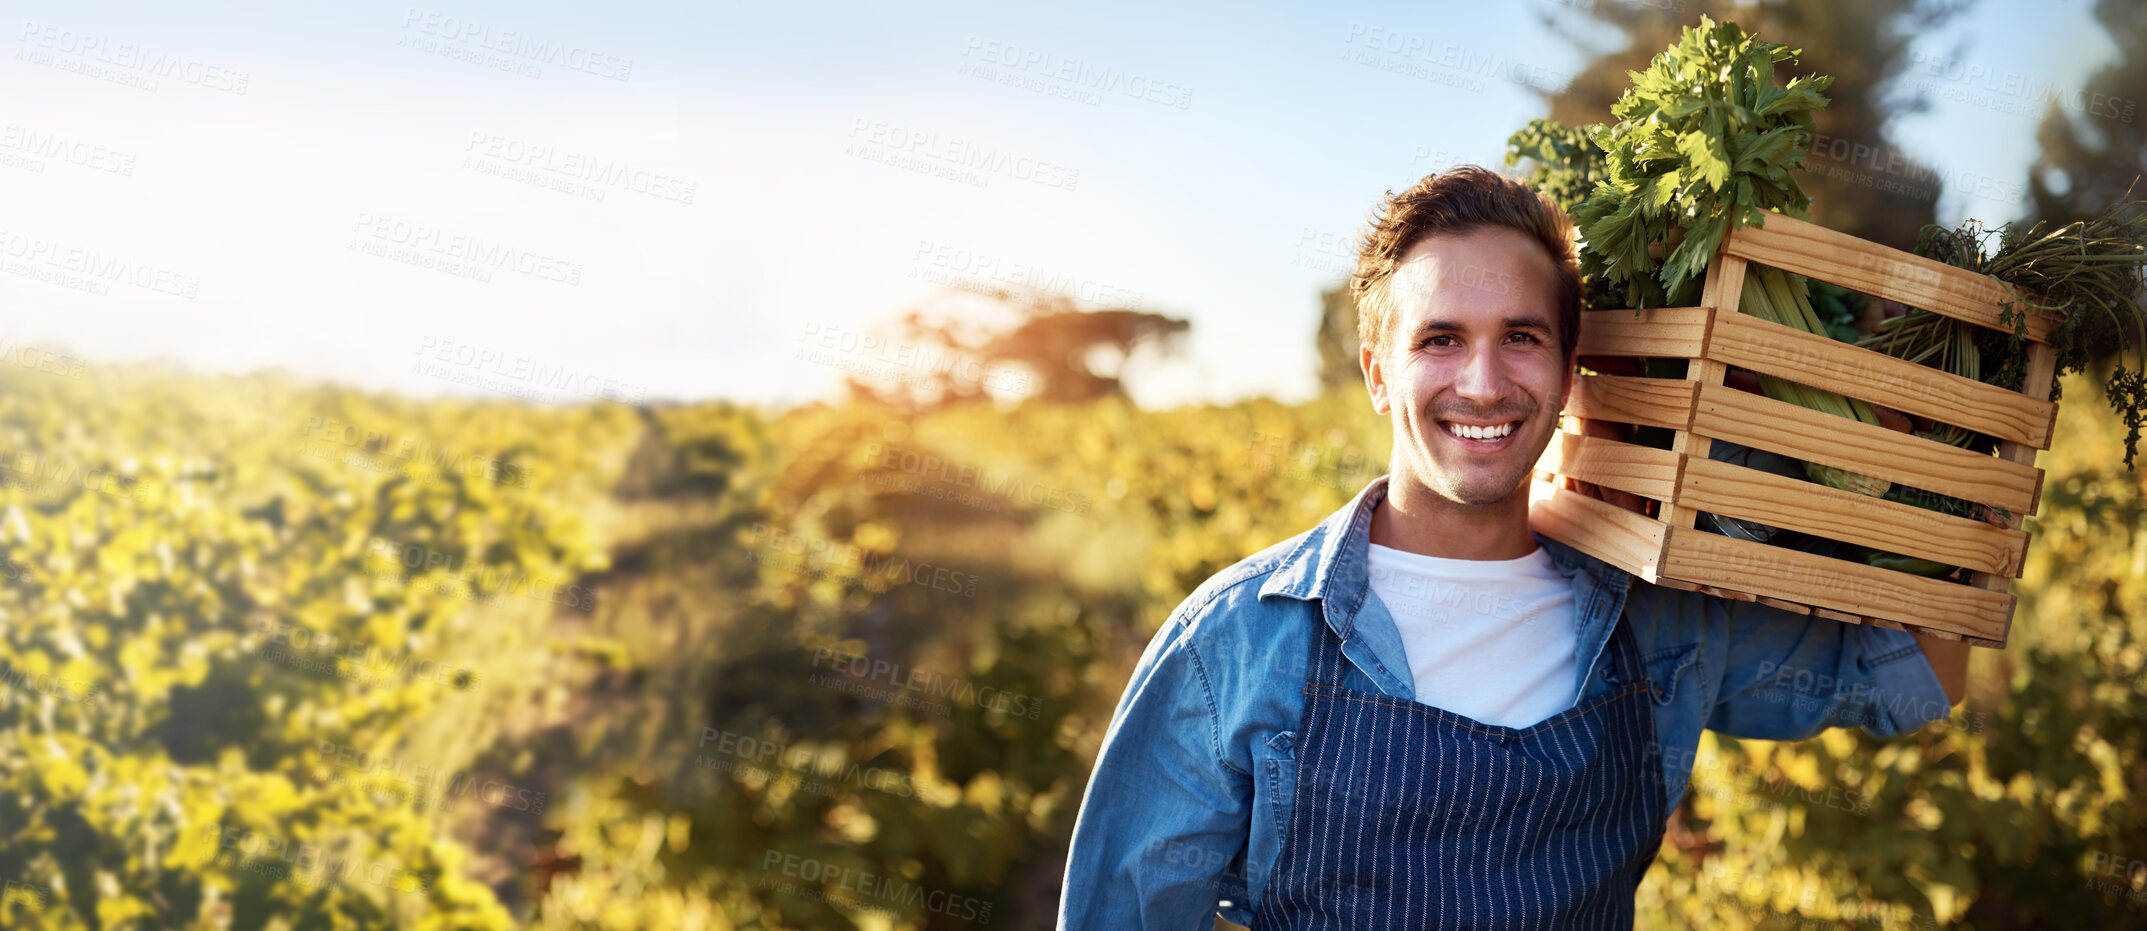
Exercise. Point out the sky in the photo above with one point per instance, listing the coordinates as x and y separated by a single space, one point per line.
562 202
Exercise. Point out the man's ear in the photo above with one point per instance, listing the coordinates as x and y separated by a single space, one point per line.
1375 378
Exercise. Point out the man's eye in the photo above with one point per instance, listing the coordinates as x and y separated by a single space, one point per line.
1434 340
1531 337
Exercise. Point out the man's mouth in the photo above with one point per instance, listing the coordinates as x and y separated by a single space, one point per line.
1480 435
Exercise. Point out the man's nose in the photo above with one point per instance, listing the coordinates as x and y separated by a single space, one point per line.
1482 376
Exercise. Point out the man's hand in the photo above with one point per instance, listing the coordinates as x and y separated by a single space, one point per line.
1949 661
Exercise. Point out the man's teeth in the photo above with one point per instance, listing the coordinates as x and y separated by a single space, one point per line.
1479 433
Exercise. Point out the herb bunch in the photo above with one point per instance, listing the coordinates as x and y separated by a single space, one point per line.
1704 142
2087 274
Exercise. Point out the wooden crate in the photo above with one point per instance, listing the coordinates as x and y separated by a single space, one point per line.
1700 409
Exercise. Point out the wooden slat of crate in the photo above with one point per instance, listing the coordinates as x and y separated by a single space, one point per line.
1926 631
1629 541
1801 433
1724 282
1809 507
1656 333
1670 552
1809 249
1834 584
1647 472
2040 370
1789 606
1653 402
1806 358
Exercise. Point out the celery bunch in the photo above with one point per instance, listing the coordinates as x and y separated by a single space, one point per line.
1705 141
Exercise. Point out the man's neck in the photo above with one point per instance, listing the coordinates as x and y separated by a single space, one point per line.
1415 520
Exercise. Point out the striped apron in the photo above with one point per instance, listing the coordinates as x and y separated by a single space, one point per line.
1408 816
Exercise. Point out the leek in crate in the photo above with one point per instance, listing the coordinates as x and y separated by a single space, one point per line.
2085 273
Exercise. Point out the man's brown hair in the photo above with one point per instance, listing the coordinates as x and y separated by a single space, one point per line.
1449 203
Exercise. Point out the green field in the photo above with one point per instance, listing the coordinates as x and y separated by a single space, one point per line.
281 655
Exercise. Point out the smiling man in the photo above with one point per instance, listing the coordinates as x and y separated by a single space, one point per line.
1421 714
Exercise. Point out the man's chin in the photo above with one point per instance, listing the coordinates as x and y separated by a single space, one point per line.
1478 492
1491 500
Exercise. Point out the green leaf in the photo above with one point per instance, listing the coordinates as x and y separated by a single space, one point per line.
1703 153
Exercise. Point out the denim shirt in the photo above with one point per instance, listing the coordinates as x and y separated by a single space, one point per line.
1192 787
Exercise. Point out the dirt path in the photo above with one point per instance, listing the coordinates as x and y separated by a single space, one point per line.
610 689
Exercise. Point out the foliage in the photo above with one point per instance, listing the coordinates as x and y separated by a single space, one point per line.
1048 349
1062 346
2093 140
1837 308
2086 273
1858 183
1082 525
209 592
1336 341
1568 164
1704 142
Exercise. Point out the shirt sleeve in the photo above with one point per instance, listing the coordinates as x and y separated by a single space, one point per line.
1789 676
1164 818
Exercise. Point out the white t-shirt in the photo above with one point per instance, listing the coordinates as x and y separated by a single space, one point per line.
1489 639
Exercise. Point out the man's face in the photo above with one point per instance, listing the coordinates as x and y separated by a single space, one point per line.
1472 346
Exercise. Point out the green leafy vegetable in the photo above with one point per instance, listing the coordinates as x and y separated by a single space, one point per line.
1704 143
1568 163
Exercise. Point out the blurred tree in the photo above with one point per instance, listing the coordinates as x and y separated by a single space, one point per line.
1073 355
1083 355
2094 147
1337 340
935 359
1861 187
1070 355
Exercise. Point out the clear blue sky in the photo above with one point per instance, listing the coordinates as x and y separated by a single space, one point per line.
844 161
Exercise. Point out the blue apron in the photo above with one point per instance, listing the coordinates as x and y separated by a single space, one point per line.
1409 816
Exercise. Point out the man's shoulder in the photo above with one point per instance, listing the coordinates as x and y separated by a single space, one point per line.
1229 594
1238 634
